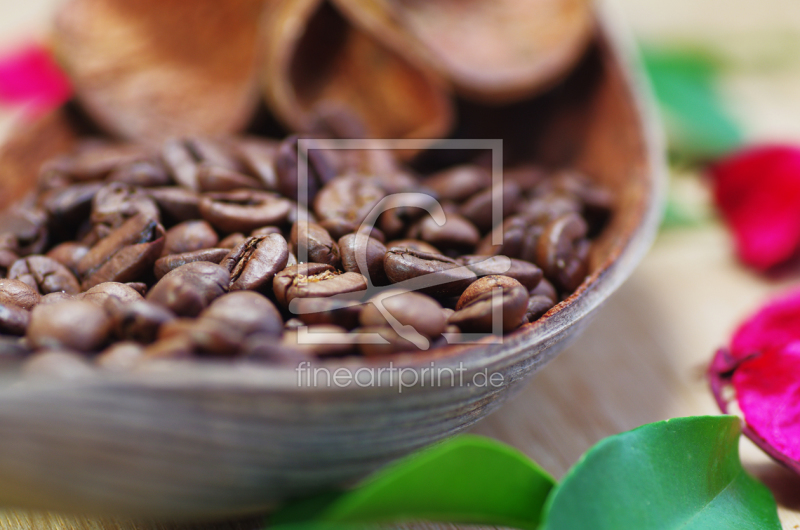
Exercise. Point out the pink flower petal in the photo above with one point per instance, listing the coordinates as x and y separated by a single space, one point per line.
773 326
31 78
758 194
768 391
763 366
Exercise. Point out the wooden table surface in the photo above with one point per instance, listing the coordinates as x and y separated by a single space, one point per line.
642 359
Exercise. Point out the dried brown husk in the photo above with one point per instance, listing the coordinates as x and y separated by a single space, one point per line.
316 63
150 69
491 50
26 148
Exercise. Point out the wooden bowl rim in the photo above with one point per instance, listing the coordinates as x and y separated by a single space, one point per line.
521 344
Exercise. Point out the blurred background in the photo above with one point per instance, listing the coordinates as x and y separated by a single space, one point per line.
727 73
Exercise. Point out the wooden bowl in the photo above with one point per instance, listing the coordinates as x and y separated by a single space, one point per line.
219 440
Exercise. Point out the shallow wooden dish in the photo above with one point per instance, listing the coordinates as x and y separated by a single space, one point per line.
210 441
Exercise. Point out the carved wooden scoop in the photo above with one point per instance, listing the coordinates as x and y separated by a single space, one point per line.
494 51
151 69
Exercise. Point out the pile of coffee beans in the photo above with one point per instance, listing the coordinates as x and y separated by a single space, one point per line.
213 248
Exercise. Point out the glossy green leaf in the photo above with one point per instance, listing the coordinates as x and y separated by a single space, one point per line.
467 479
698 124
683 474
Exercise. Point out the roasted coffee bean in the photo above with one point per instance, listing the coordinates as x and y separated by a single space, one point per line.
372 252
7 259
18 293
324 285
265 231
401 211
258 157
139 287
12 351
102 208
254 263
188 237
91 234
57 364
431 274
76 325
95 159
128 264
518 237
172 262
561 252
117 202
176 204
26 229
391 343
455 234
136 230
545 288
67 207
232 241
215 178
243 210
120 357
459 183
177 348
526 176
489 299
44 274
213 152
524 272
181 163
319 170
333 311
314 280
311 242
480 208
407 308
111 296
207 337
339 228
189 289
264 348
413 244
13 319
322 340
299 212
293 323
538 305
576 269
484 285
69 254
56 298
591 195
546 208
292 274
51 179
142 173
246 312
140 321
349 198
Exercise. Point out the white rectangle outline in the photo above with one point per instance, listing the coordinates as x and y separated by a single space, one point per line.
495 145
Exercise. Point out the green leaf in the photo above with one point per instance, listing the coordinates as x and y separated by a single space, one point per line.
698 125
683 473
467 479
